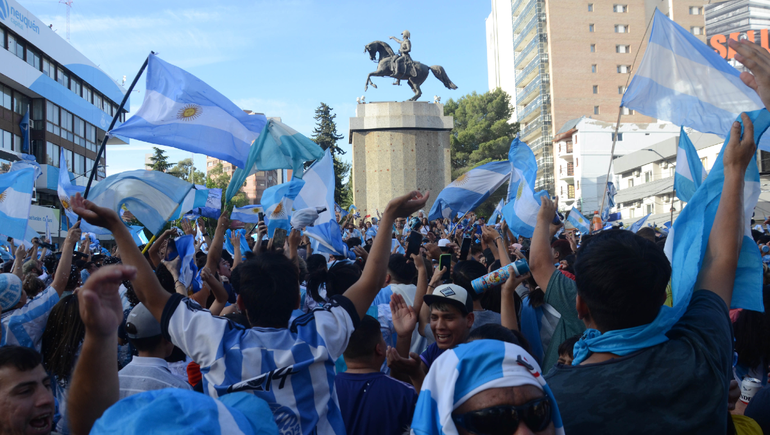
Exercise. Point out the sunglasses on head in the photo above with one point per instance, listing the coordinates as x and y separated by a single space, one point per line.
505 419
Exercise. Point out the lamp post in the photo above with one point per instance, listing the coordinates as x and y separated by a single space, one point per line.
674 189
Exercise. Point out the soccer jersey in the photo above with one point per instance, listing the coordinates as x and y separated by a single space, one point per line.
145 374
24 326
292 369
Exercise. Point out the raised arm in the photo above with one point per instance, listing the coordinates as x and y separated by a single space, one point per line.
363 292
18 262
508 317
215 248
216 287
146 285
540 256
717 273
235 239
154 251
62 274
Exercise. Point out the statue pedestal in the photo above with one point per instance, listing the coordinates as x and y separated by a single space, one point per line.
397 148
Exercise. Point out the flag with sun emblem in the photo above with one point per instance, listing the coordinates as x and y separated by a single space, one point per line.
579 221
15 202
470 189
278 202
66 189
247 214
181 111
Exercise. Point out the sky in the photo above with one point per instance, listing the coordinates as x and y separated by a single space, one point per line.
281 58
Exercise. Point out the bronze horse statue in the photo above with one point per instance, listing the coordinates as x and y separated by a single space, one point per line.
386 68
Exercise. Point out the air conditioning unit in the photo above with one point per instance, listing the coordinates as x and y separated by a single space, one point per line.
664 165
637 173
666 198
637 204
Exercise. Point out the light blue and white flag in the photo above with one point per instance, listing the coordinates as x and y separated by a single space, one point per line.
195 200
181 111
24 126
690 172
137 232
523 166
470 189
27 161
66 190
248 213
579 221
27 240
15 202
185 247
496 213
340 210
636 226
241 233
521 212
277 147
319 192
278 202
683 81
610 201
152 197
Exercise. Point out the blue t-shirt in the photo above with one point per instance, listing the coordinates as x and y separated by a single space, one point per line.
430 354
375 403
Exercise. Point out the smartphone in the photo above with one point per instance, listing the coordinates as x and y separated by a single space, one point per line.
279 238
413 243
171 252
261 216
445 260
465 248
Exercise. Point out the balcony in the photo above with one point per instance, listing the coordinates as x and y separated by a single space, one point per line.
518 4
566 150
533 127
529 92
525 15
529 109
523 37
532 69
526 54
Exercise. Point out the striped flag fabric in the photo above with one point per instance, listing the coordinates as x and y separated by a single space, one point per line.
15 202
470 189
579 221
636 226
690 172
496 213
279 202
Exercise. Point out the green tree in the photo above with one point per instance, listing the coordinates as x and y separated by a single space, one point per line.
182 170
326 136
218 178
481 134
159 161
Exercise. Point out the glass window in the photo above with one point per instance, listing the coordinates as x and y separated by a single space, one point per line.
52 154
37 110
649 208
33 59
648 176
87 93
590 27
620 136
90 133
705 162
7 140
20 49
631 213
2 37
89 164
62 77
622 49
621 28
621 90
593 68
80 164
20 103
590 7
696 30
627 111
696 10
68 157
593 48
5 98
11 43
75 86
596 89
620 8
630 182
596 110
97 101
623 69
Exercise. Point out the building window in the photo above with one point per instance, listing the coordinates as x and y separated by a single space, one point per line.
596 89
649 208
593 48
68 157
80 164
5 97
48 68
590 7
6 140
570 191
578 184
705 162
33 59
621 90
696 10
75 86
62 77
619 136
596 110
621 28
621 9
98 101
88 94
20 103
631 213
624 69
90 137
648 176
11 43
630 182
52 116
622 49
20 50
52 154
626 111
590 27
89 165
593 68
696 30
2 37
80 131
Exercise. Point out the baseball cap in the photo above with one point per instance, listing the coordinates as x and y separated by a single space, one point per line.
141 324
10 290
443 243
452 294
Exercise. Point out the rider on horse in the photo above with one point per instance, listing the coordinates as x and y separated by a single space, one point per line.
403 67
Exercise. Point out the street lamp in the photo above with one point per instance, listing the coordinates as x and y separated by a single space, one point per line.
674 189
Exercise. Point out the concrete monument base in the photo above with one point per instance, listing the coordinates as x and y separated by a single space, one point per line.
397 148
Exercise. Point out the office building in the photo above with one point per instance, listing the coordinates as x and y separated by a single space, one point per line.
583 147
572 58
256 183
70 102
500 50
645 178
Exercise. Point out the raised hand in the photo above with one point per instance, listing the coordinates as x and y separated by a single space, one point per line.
93 214
100 306
405 205
409 366
73 234
740 150
404 317
187 227
757 60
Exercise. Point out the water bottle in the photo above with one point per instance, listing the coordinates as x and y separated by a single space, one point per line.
499 276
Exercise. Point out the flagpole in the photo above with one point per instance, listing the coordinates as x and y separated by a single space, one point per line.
112 125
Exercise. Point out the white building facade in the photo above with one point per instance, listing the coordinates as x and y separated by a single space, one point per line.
500 67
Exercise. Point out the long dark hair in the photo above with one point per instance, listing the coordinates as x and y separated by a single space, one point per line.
62 337
752 335
337 279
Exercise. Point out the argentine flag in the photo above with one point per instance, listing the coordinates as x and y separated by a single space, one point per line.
278 202
153 197
523 166
687 240
579 221
248 214
15 202
278 147
66 190
636 226
470 189
496 213
521 211
137 232
319 192
690 172
181 111
683 81
610 202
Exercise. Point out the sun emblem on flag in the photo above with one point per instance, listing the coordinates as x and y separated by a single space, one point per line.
462 179
189 112
279 212
65 202
3 195
520 190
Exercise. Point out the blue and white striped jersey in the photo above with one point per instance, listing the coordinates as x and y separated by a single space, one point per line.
292 369
24 326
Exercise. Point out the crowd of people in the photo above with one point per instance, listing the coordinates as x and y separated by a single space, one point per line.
396 337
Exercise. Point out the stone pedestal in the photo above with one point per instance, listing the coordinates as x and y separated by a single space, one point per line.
397 148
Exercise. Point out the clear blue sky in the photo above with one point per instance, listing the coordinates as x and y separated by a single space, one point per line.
281 58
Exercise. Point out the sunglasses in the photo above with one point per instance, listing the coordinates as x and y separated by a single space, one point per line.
505 419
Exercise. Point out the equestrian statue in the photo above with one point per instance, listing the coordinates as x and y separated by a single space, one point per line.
401 66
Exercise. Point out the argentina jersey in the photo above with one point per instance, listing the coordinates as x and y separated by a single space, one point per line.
24 326
292 369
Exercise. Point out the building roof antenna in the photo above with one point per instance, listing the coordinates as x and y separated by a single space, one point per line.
68 3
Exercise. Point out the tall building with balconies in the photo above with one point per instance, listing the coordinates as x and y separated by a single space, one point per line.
572 58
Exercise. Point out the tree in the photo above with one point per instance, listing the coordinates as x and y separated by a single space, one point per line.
481 134
159 161
326 136
218 178
182 170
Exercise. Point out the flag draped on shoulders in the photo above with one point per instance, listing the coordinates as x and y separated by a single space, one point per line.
470 189
684 81
181 111
690 172
15 202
